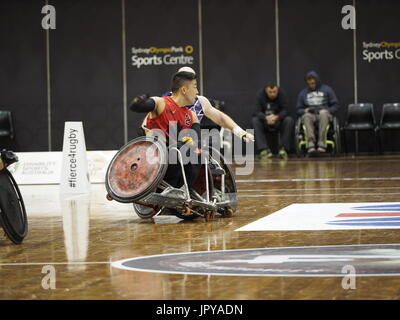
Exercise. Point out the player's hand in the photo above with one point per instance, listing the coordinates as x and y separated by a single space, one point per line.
188 140
323 111
247 137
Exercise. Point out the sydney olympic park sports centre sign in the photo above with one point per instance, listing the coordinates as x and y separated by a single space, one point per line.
380 51
155 56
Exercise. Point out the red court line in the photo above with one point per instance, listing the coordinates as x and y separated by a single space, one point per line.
370 214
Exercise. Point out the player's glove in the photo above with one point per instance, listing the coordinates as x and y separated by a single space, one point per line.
142 103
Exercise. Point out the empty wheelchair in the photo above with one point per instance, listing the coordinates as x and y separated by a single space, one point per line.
136 175
332 137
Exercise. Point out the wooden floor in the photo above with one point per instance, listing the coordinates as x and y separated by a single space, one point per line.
82 246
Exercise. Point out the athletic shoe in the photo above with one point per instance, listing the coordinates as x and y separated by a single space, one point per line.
311 150
321 149
283 154
266 154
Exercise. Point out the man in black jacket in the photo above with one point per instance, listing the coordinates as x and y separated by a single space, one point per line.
272 115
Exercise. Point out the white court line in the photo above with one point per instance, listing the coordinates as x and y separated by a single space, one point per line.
321 179
394 158
313 189
51 263
317 194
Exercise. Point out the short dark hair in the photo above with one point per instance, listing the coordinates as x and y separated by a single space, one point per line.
271 85
309 77
180 78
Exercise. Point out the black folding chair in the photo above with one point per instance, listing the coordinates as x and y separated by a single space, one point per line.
6 124
360 117
390 120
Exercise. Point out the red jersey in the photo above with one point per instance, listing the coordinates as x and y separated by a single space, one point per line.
172 112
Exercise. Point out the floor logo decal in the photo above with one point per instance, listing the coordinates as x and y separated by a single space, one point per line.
314 261
330 216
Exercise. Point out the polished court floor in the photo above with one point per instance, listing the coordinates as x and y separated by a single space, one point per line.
81 238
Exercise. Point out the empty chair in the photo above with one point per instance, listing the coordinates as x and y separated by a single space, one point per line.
390 119
6 125
360 117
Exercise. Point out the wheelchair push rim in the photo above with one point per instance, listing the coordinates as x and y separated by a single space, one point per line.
215 182
13 217
136 169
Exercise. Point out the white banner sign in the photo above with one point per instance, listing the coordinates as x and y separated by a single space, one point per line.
37 168
74 170
45 167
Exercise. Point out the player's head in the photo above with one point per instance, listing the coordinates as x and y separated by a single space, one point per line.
187 69
272 90
184 84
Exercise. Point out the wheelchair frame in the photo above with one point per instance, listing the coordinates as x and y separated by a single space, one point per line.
187 204
301 139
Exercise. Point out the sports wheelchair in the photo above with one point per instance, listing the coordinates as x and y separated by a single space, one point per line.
332 137
136 175
12 209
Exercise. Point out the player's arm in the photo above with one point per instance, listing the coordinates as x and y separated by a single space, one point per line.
222 119
195 119
146 130
145 104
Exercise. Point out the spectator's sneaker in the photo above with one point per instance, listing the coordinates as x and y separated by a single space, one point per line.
321 149
266 154
283 154
311 150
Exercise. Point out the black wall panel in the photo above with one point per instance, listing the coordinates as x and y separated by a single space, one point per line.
23 72
379 79
239 51
159 24
312 38
239 57
86 64
378 68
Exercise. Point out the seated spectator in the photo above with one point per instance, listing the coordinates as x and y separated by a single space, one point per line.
316 104
272 115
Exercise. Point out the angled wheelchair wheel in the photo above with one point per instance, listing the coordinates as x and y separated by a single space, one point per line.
337 136
144 212
13 217
299 138
136 170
